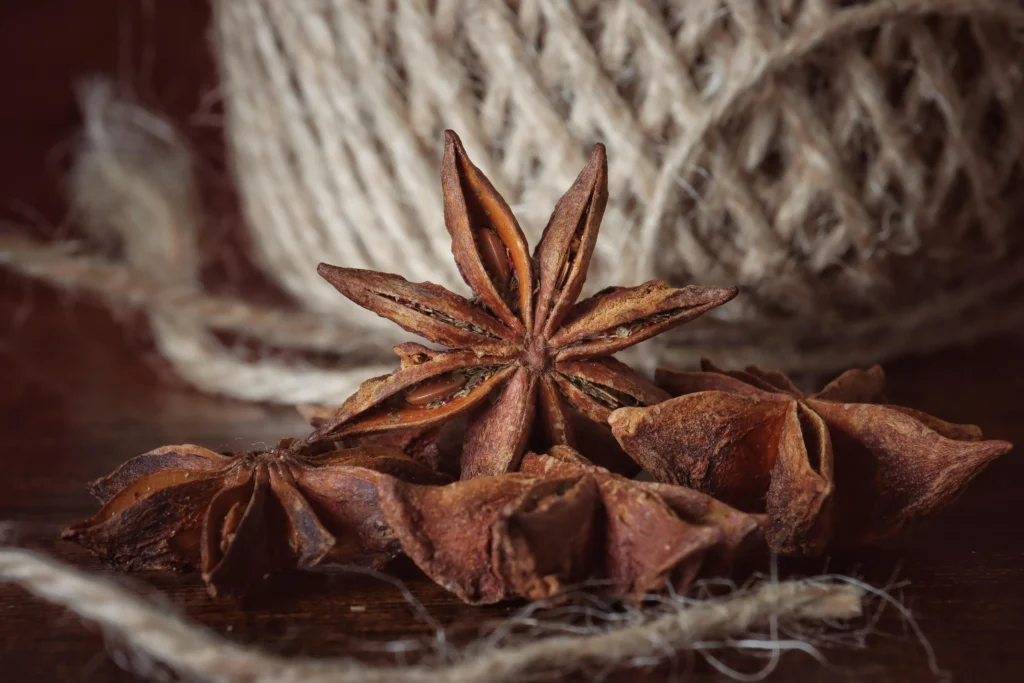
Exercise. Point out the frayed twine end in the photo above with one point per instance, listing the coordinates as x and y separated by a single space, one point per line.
763 618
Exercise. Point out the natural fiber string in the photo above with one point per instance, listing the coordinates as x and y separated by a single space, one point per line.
132 186
154 635
120 284
435 53
853 166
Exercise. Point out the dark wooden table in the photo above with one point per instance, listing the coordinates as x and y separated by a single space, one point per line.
80 392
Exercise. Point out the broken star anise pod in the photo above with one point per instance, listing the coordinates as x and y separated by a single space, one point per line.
523 348
240 517
836 468
560 521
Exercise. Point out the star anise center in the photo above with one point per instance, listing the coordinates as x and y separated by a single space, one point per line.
281 460
536 356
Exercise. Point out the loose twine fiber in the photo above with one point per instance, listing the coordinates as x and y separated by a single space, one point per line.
855 166
151 635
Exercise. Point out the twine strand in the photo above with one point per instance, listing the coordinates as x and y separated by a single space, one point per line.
154 635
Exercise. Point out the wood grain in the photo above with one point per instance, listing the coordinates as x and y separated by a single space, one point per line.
80 391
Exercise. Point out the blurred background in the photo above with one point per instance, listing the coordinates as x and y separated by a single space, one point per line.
171 173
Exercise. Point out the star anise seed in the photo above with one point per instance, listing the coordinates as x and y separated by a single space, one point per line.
836 468
523 348
238 518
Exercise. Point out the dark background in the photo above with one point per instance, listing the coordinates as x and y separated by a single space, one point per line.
81 390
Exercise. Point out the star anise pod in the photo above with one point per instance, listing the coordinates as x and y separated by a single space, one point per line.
633 516
523 348
437 445
559 521
240 517
837 468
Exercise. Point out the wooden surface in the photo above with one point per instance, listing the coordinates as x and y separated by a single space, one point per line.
81 392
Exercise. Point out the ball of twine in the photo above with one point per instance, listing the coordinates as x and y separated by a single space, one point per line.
853 166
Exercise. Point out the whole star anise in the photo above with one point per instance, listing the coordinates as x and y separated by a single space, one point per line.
523 347
836 468
559 521
240 517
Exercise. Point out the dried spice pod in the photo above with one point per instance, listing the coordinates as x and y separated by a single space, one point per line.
240 517
560 521
836 468
435 446
491 538
735 533
523 351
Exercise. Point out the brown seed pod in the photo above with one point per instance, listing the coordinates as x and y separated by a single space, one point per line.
238 518
528 365
560 521
836 468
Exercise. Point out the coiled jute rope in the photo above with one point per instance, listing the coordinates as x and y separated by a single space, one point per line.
854 166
